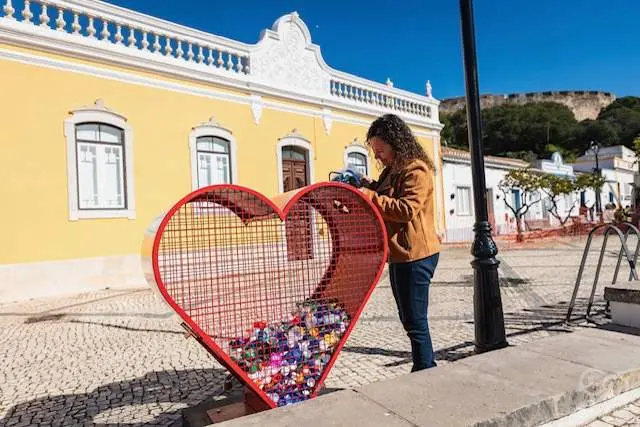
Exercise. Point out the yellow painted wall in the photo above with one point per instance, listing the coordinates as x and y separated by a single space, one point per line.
34 222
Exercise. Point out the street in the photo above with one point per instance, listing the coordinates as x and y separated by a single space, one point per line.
120 357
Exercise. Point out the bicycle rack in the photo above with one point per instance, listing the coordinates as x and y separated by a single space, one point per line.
633 275
635 254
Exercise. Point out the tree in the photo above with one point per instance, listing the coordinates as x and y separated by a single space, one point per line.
590 181
594 130
446 134
529 127
636 148
528 183
554 187
517 128
623 115
455 129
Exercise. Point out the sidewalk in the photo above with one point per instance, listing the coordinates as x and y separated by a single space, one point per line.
525 385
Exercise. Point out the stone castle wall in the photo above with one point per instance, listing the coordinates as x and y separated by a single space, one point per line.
584 104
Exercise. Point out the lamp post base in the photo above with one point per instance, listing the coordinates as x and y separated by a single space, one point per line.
487 302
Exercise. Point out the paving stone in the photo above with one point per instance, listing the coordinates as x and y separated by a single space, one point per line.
623 414
121 349
612 420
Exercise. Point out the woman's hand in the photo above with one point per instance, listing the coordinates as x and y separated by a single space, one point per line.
365 179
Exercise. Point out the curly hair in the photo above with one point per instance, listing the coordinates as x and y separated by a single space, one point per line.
394 131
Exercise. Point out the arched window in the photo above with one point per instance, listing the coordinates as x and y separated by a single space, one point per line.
213 155
356 157
99 151
358 162
294 158
214 161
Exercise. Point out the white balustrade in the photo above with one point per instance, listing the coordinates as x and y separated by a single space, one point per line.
91 30
44 18
26 12
8 10
359 93
118 28
142 33
131 40
145 42
60 21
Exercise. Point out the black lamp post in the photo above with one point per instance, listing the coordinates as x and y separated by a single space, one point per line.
487 302
596 148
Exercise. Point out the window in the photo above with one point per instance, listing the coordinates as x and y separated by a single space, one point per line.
463 201
213 155
516 199
290 148
294 153
213 161
99 164
356 157
100 158
358 162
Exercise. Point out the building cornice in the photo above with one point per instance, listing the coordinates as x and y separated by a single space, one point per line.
212 93
461 156
284 63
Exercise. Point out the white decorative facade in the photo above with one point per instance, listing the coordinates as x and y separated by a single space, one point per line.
568 204
619 166
149 142
284 62
458 194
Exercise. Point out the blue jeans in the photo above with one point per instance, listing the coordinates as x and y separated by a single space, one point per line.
410 285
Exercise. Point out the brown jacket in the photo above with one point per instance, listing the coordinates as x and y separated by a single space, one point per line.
406 202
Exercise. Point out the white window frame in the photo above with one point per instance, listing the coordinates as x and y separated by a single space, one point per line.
469 203
359 149
98 113
211 128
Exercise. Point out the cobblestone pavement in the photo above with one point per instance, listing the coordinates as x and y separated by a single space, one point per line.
626 416
119 356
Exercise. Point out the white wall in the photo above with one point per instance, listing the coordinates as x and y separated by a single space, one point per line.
459 225
619 183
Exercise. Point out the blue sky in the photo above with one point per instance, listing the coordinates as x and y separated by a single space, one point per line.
523 45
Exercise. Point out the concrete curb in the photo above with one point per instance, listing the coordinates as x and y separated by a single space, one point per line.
528 385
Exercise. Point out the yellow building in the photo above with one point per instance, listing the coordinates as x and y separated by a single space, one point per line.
110 116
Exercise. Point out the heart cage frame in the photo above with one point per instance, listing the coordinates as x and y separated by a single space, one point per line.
272 288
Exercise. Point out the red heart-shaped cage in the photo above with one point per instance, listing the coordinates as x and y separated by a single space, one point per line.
272 288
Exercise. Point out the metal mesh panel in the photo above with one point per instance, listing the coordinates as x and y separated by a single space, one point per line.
273 299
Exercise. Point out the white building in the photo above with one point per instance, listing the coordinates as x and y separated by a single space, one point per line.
568 204
618 165
458 192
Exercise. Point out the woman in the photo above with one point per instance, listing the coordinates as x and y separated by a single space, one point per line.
404 196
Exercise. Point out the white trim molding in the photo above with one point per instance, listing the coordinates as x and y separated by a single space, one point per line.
30 59
256 108
211 128
54 278
295 139
284 62
356 146
327 120
437 172
98 113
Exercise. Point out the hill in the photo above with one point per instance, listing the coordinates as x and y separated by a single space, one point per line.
540 128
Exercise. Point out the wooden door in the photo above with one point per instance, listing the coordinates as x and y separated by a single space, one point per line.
491 215
294 174
298 225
